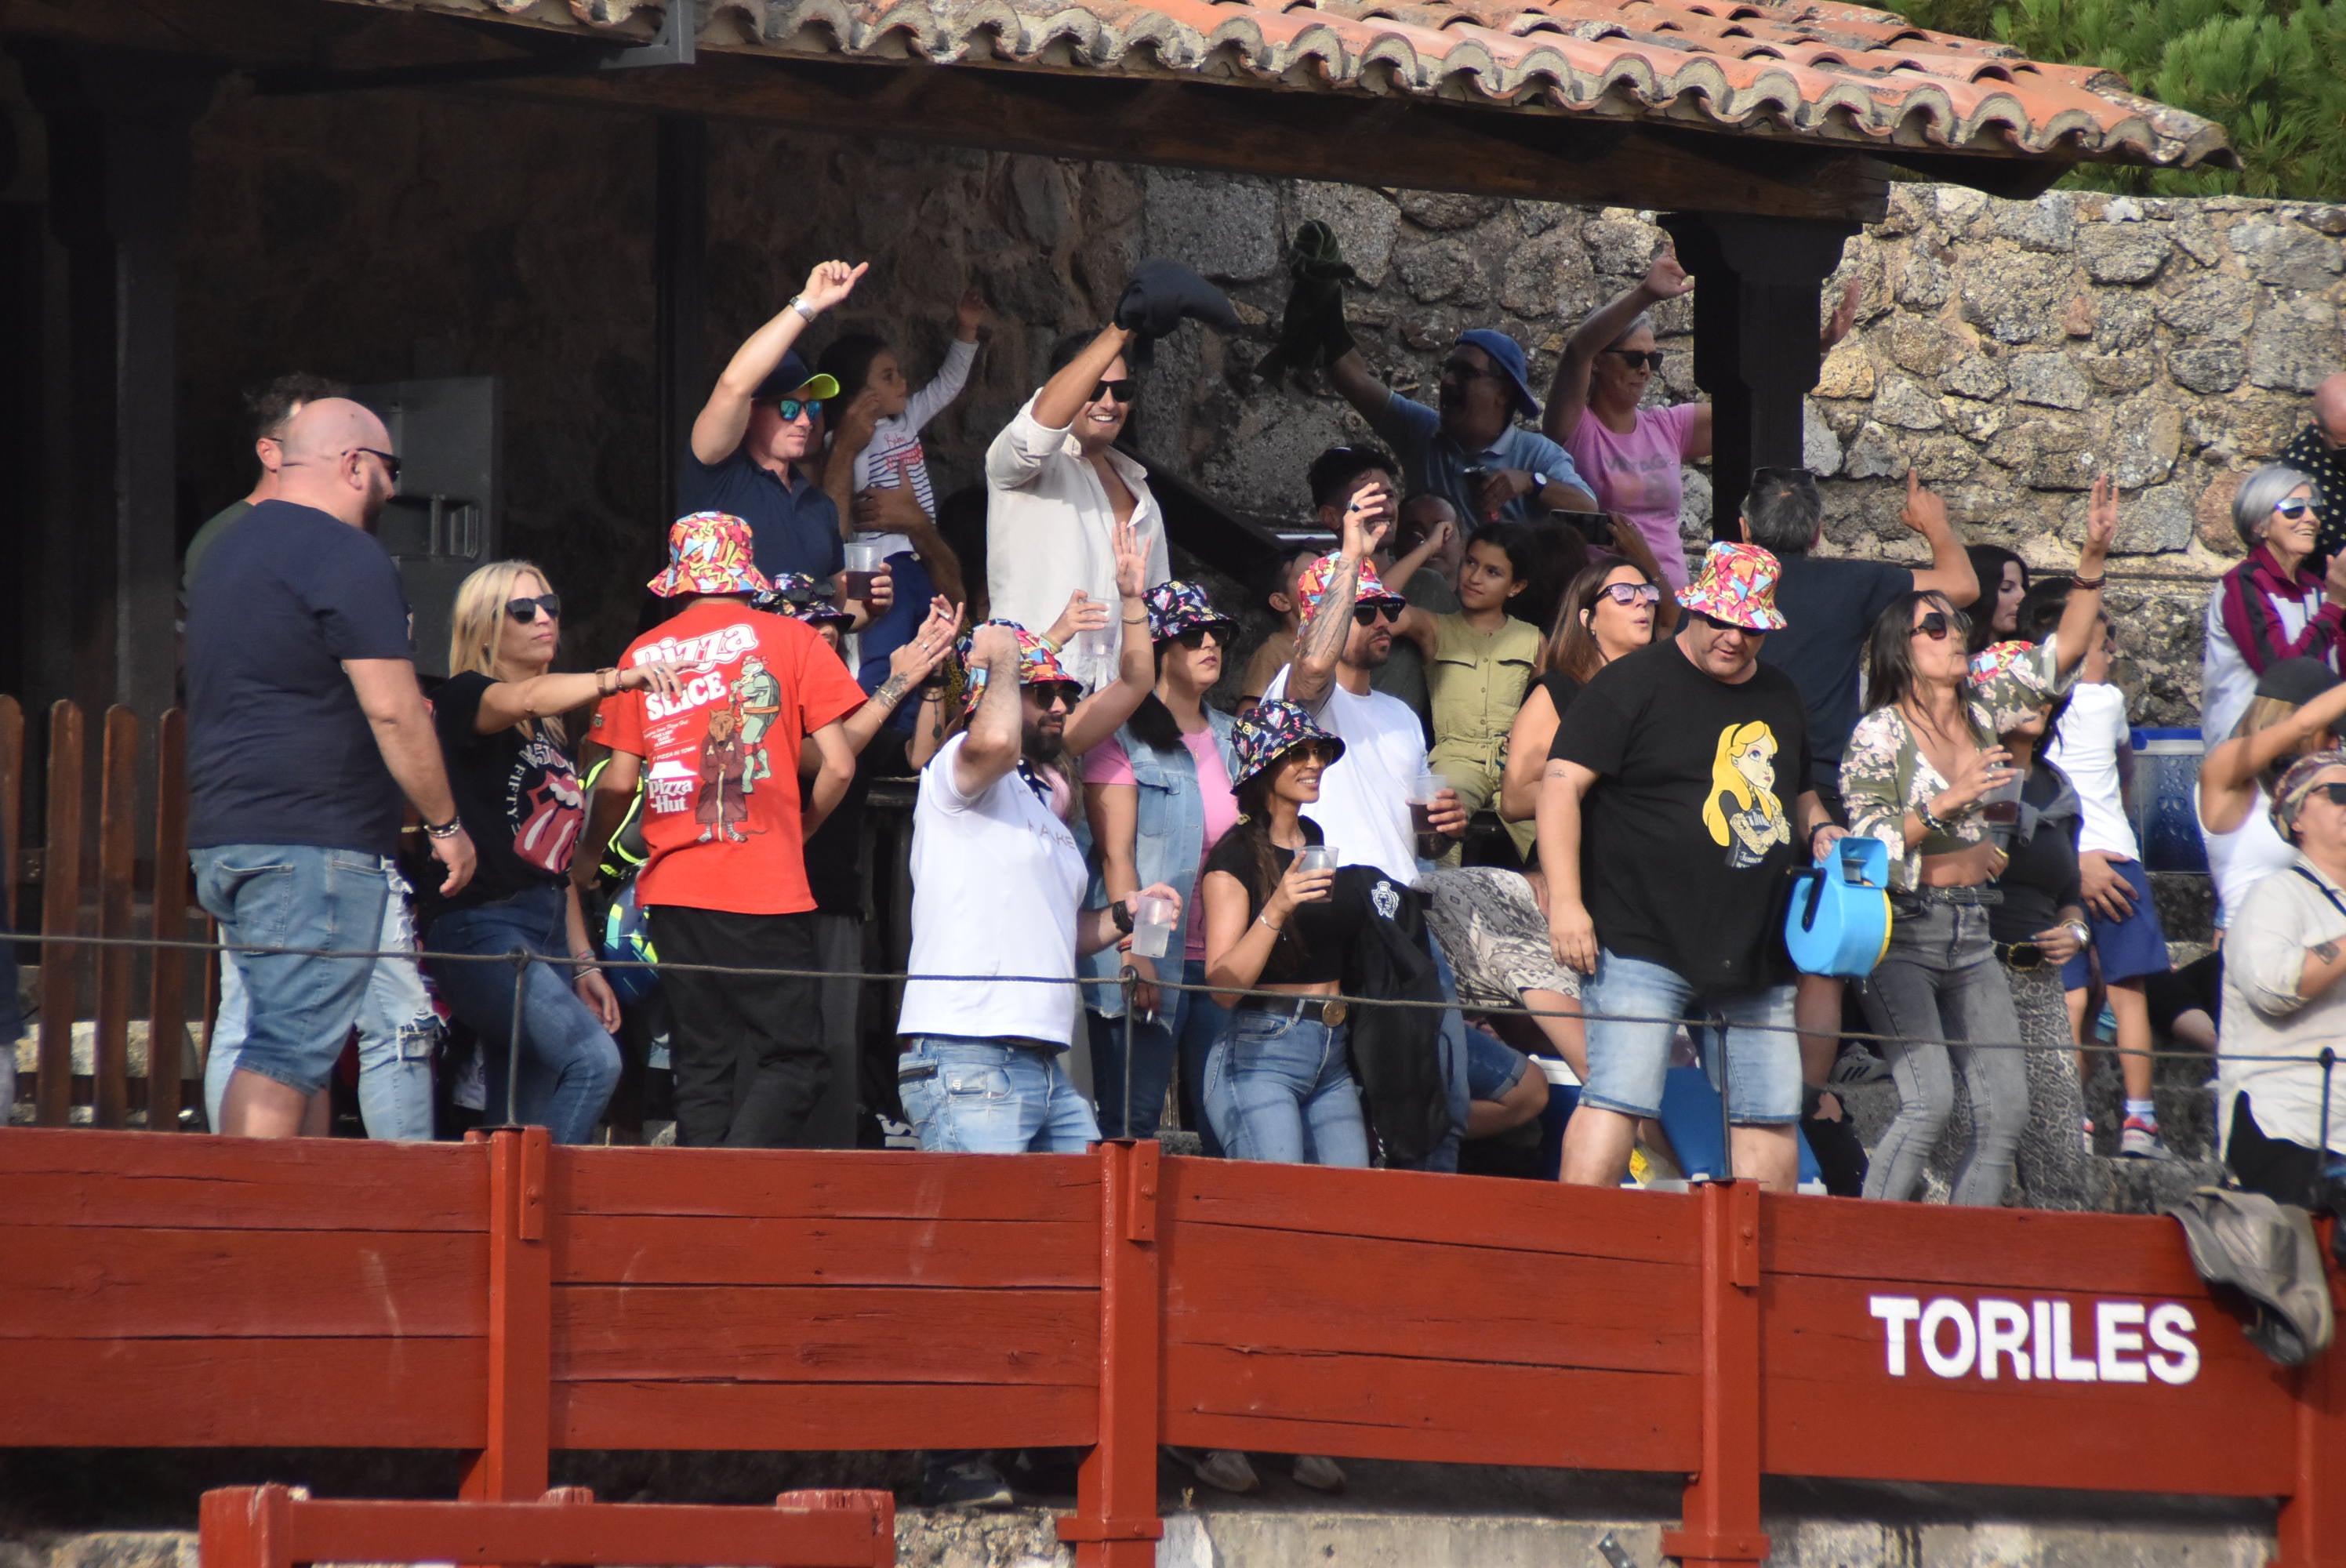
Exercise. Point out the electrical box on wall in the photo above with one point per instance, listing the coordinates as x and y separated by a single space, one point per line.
447 517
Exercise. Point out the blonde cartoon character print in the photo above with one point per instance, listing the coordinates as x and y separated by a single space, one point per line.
1741 811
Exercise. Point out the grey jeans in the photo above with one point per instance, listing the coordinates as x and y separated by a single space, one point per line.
1941 980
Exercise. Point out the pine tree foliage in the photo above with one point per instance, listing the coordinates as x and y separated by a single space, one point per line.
2271 71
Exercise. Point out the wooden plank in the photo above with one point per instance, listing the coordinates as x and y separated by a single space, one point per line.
696 1249
791 1334
511 1464
61 913
2312 1528
78 1282
108 1179
243 1393
1393 1407
167 995
2227 1432
1280 1291
1414 1205
1115 1525
12 805
892 1413
1989 1249
568 1533
826 1185
117 843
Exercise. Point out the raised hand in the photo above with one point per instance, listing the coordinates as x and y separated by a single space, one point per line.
1367 519
1082 614
2101 524
831 282
1665 279
1925 510
918 656
970 313
1131 560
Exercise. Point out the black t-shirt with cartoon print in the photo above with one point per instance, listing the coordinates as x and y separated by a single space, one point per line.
518 795
1688 834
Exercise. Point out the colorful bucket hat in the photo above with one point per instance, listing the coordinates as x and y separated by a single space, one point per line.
1311 587
802 599
1174 607
2288 795
1271 731
1738 585
1036 660
2009 682
710 553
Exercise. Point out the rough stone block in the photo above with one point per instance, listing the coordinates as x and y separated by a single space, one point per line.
1922 345
2213 513
1910 207
2122 322
1547 278
1434 269
2049 223
2214 306
2137 441
2015 297
2054 452
1224 226
1846 373
1447 209
1259 469
1820 448
2158 519
1621 247
2216 369
2052 380
1364 222
1975 376
1901 402
2282 255
2295 344
1923 279
1958 205
1875 454
2119 372
2125 252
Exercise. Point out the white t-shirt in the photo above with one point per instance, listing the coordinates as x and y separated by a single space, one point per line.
995 882
1363 805
2085 746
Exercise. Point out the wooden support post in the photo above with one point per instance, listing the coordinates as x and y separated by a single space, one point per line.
117 848
246 1527
2312 1525
1758 303
512 1468
1115 1525
60 915
1722 1499
167 995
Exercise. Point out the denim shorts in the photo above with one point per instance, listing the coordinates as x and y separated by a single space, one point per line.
1492 1066
2129 948
1629 1062
300 1007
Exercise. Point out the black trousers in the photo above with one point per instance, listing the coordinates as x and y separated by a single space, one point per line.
2281 1170
747 1050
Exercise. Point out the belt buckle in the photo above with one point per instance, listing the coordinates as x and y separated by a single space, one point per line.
2024 956
1334 1011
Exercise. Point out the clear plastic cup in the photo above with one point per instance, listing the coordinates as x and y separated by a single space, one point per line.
863 563
1316 857
1431 845
1152 926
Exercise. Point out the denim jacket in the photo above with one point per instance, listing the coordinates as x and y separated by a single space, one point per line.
1168 842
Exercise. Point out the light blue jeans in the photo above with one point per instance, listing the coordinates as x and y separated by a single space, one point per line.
970 1096
1184 1030
397 1029
1629 1063
1280 1087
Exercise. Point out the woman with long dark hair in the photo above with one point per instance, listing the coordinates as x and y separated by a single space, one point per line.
2002 583
1611 608
1917 774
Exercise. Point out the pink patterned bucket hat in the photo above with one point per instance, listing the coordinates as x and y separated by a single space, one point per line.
1738 585
1312 588
710 553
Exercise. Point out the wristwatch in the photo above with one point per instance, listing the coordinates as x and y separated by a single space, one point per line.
799 303
1122 916
1539 481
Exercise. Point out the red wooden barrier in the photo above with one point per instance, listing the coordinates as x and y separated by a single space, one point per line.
511 1297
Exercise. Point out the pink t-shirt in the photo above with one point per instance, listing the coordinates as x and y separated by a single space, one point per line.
1637 476
1106 764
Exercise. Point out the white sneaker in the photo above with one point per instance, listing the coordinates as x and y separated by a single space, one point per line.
2140 1140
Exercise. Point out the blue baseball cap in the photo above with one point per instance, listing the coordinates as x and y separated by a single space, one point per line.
785 380
1508 355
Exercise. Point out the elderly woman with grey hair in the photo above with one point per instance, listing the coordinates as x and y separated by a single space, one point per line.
2275 605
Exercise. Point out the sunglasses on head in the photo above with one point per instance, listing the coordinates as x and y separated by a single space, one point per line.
1123 391
1046 692
1627 593
790 408
1195 637
1715 623
1651 359
390 464
2293 507
1370 615
526 610
1936 624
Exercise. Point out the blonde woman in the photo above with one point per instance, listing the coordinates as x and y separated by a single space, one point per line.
510 765
1742 813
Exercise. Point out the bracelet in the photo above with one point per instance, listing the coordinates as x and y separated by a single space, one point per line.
447 830
582 957
798 303
1264 921
1135 620
2090 583
606 681
1933 822
2083 932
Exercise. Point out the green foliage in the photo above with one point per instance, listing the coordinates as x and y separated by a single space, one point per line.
2272 72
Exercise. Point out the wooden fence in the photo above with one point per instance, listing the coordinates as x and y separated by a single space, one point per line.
90 875
511 1297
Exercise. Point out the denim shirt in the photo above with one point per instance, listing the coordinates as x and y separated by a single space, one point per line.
1168 844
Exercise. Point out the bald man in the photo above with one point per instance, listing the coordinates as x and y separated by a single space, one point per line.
2319 452
306 727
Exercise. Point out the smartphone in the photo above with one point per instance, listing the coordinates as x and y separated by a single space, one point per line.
1596 527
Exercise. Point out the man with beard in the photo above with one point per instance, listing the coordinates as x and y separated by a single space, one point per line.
306 730
1470 451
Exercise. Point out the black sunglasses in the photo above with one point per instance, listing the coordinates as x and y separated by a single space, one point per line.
1324 752
1124 391
1195 637
390 464
1047 692
1715 623
1936 624
1369 614
1651 359
526 610
2336 793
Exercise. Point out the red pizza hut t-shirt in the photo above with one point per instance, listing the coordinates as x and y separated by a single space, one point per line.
721 759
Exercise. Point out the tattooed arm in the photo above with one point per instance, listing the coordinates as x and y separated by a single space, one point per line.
1328 625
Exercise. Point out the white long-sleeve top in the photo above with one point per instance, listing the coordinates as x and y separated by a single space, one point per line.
894 448
1048 531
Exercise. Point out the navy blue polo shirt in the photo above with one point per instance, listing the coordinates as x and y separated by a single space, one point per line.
794 527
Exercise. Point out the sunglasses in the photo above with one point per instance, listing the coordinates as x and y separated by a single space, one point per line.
1651 359
1324 752
390 464
1627 593
1046 692
1937 624
1195 637
2334 793
2293 508
1126 391
1715 623
1370 615
526 610
790 408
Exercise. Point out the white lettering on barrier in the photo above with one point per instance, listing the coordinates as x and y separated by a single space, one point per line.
2133 1341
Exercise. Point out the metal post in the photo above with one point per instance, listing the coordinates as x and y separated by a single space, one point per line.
522 958
1131 985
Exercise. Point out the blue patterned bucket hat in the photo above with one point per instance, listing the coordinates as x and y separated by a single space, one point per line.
1271 731
802 599
1174 607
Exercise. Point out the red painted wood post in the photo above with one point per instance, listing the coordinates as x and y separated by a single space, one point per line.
246 1527
118 851
61 914
1722 1499
1115 1525
2312 1525
512 1467
166 994
881 1505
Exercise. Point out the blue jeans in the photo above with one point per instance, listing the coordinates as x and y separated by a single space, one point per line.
301 1007
969 1097
1629 1063
398 1026
569 1063
1280 1087
1451 1048
1185 1029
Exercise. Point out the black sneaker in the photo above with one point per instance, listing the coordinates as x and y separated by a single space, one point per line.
971 1483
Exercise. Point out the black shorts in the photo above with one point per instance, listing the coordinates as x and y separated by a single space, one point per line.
2198 985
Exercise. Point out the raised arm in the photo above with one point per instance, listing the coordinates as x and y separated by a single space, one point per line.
1951 572
1638 551
1409 565
395 710
995 730
1568 393
2227 775
908 666
1321 642
969 315
1102 713
1064 395
2080 618
1359 386
725 415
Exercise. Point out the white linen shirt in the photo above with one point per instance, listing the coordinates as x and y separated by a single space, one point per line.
1048 531
2264 959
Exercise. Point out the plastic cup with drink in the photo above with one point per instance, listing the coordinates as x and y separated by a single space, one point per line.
863 562
1152 925
1432 845
1316 857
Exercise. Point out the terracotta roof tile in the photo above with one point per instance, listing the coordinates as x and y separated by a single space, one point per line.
1804 69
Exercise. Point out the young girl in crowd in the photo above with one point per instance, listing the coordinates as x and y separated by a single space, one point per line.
1916 775
877 416
1611 608
1158 799
516 786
